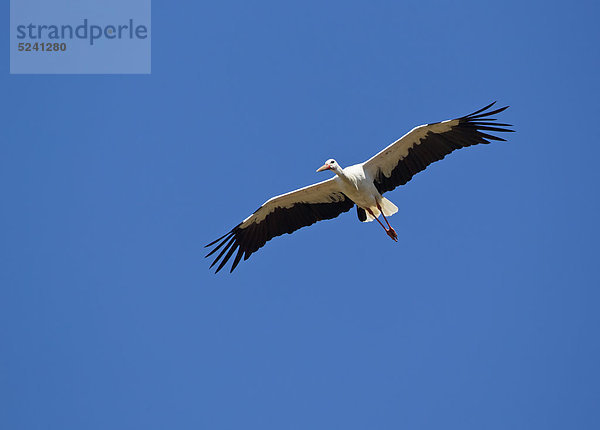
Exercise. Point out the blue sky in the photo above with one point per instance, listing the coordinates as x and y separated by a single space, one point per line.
484 315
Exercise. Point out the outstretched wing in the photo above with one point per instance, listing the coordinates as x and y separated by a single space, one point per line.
281 214
413 152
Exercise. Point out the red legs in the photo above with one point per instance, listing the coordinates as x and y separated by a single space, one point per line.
386 220
376 219
390 232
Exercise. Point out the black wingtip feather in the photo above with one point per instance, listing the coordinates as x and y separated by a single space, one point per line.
485 114
238 257
481 110
227 257
225 239
231 241
215 241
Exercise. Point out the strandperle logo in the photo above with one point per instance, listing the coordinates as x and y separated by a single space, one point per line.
91 32
95 37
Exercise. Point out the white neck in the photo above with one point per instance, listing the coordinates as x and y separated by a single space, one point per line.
340 172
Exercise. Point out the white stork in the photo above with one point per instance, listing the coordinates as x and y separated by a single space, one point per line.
361 185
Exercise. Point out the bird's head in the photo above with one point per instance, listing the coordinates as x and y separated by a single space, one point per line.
330 164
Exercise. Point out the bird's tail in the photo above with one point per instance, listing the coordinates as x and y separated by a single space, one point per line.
387 207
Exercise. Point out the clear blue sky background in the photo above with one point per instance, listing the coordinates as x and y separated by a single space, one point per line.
483 316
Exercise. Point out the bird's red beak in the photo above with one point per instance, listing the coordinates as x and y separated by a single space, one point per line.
324 167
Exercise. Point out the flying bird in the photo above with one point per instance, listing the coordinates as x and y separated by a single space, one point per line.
361 185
